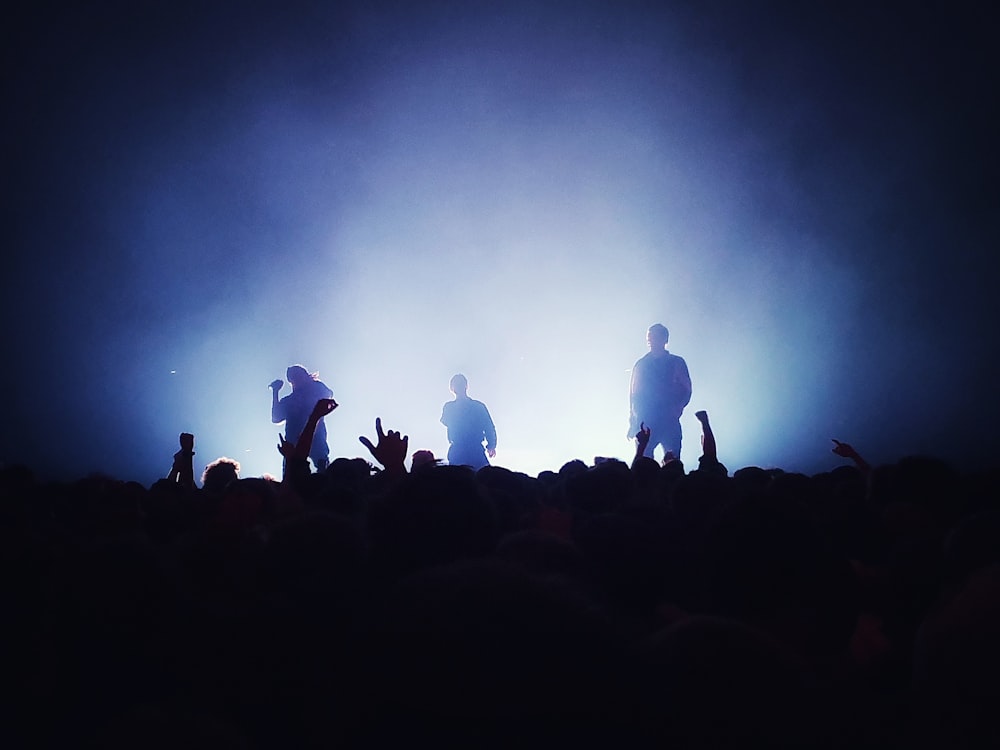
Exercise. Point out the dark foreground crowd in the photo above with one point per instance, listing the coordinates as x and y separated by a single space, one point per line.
367 606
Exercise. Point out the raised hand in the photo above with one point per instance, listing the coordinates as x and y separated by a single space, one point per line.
391 449
642 439
709 450
641 442
323 407
187 442
286 447
844 450
277 385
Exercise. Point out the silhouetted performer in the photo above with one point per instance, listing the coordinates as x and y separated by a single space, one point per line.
661 388
469 424
295 408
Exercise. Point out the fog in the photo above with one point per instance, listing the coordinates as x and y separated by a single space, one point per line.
390 195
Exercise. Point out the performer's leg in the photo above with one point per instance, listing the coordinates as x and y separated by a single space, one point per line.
467 456
668 435
672 438
320 454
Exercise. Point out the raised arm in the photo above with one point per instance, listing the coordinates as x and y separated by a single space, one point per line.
323 407
296 455
845 450
277 412
641 441
709 461
709 451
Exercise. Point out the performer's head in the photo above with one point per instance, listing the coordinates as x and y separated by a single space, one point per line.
298 376
459 384
657 336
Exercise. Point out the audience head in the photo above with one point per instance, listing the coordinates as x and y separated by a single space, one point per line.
220 473
691 609
435 516
423 458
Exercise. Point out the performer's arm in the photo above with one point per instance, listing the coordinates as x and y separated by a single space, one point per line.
490 432
633 417
684 381
277 412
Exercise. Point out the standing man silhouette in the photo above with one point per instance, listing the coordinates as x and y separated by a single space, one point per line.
469 424
660 389
295 408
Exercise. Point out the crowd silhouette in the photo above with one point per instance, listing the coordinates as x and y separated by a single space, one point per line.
630 605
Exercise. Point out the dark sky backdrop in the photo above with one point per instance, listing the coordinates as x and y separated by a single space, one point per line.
199 194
